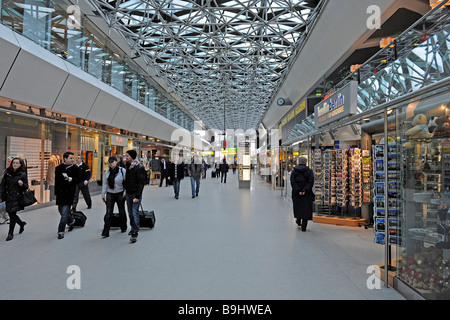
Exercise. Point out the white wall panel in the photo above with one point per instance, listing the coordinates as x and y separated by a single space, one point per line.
9 48
33 79
104 108
76 97
139 122
124 116
165 130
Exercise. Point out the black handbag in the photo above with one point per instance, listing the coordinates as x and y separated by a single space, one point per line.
27 198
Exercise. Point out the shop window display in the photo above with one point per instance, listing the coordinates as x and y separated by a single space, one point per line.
424 257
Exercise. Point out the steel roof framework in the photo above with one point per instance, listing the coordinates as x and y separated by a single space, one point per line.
224 58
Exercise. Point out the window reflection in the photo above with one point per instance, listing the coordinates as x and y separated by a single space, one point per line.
58 26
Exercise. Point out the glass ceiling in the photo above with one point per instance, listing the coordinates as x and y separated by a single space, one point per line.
225 59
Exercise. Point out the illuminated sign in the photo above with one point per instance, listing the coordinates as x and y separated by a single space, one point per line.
337 106
229 151
118 140
300 107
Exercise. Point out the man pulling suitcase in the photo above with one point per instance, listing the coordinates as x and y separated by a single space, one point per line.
134 186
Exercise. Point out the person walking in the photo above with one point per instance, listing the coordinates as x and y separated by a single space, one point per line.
164 171
83 186
176 174
195 170
14 183
205 168
217 166
113 193
224 170
134 186
302 182
234 166
120 161
67 176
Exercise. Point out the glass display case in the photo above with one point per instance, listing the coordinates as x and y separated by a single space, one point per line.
424 129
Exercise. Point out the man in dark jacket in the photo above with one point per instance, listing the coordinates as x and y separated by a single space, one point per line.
83 186
224 170
134 186
67 176
176 174
164 171
195 170
302 182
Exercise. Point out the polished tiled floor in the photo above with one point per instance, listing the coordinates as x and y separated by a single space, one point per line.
228 243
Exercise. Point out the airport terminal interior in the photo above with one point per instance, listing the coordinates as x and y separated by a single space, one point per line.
263 150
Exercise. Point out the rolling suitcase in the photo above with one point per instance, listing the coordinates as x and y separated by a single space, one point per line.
115 221
80 218
147 219
213 174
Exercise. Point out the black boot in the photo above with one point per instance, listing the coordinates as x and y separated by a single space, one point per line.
10 237
22 227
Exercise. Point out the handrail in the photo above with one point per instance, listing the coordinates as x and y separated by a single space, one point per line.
405 34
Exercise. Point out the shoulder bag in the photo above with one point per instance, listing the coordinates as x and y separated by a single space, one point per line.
27 198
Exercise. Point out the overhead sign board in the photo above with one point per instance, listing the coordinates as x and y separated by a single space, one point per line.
337 106
117 140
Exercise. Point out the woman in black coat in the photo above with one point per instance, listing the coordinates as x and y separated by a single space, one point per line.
302 182
14 183
177 164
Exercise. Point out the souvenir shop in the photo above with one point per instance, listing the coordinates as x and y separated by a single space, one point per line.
388 170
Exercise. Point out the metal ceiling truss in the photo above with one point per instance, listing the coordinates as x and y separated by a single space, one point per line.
216 54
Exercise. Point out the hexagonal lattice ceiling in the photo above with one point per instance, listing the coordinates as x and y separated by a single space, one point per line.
224 58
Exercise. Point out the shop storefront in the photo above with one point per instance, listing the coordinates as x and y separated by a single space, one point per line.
39 144
36 136
388 170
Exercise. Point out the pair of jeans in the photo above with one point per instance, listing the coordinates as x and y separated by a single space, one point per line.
133 212
176 187
66 217
111 200
195 185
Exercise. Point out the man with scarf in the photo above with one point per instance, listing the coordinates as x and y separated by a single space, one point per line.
67 176
134 186
113 192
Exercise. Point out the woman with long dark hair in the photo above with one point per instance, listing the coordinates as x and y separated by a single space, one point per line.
14 183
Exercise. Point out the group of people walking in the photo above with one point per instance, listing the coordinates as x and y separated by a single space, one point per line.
196 170
122 184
